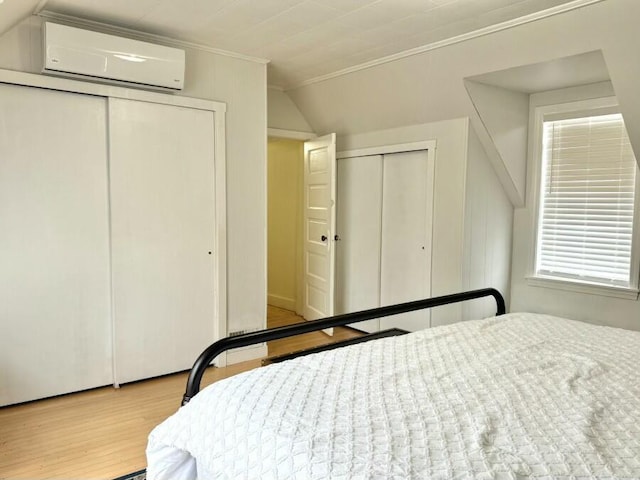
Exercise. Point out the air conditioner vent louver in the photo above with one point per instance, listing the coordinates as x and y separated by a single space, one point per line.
85 54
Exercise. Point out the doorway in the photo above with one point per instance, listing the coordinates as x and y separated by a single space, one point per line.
285 246
301 228
285 169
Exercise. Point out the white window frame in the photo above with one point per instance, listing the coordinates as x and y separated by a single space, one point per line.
577 109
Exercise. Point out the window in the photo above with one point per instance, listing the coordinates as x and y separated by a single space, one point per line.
588 204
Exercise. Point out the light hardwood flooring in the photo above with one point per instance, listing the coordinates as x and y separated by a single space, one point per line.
102 433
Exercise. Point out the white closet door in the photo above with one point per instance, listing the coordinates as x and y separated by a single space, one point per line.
162 195
359 208
406 236
55 325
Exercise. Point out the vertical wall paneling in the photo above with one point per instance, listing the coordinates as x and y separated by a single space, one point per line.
163 226
54 250
488 224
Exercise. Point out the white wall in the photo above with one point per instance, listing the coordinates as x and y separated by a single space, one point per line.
428 87
283 114
14 12
500 118
487 232
591 308
242 86
472 217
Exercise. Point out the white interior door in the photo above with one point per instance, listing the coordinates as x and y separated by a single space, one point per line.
359 226
162 194
319 227
55 318
405 260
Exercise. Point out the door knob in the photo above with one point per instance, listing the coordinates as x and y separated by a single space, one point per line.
323 238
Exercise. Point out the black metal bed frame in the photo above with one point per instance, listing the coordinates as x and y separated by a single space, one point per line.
215 349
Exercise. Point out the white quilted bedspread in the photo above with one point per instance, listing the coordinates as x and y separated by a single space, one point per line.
518 396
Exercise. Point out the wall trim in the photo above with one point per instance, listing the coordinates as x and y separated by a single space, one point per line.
538 111
40 6
386 149
243 354
582 287
144 36
281 302
549 12
106 90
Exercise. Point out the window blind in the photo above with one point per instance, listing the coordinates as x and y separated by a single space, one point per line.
588 197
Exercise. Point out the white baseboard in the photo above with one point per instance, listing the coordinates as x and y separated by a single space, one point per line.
282 302
247 353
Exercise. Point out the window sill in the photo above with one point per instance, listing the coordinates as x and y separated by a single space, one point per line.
583 287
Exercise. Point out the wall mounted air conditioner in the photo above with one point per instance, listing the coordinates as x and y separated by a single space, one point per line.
90 55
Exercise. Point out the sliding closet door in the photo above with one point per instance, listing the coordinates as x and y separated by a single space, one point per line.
359 207
55 327
406 236
162 194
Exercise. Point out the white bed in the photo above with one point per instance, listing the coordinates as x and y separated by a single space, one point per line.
515 396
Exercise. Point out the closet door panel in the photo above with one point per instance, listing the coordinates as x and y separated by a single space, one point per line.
162 196
55 324
406 221
359 207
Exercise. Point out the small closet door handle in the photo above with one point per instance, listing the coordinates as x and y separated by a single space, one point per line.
323 238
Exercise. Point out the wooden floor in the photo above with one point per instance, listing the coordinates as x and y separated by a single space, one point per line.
102 433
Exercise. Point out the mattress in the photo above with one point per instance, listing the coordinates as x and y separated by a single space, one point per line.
516 396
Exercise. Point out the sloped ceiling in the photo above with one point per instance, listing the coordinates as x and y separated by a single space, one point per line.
554 74
429 87
14 11
308 39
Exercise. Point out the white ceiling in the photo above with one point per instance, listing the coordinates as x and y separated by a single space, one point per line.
13 11
582 69
304 39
